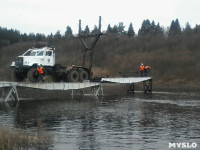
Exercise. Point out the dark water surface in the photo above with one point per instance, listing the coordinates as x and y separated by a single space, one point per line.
137 122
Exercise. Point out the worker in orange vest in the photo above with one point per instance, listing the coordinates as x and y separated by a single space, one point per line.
40 73
142 70
146 70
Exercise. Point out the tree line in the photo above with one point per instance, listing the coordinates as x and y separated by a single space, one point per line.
11 36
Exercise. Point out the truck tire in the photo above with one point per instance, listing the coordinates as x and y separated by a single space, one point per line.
56 77
83 75
16 76
57 68
32 75
73 76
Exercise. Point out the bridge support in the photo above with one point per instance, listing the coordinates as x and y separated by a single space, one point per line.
147 86
95 90
131 88
77 92
10 92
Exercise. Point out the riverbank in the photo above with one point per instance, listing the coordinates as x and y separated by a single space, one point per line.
13 139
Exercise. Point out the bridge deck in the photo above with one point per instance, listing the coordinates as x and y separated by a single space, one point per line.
6 84
10 88
58 86
50 86
126 80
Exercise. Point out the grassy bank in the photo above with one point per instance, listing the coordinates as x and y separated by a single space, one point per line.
11 139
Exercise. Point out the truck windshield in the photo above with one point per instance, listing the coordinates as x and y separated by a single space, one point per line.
33 53
27 53
40 53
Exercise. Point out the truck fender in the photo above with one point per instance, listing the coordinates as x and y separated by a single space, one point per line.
35 65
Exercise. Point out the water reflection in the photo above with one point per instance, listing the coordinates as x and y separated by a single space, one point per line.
139 122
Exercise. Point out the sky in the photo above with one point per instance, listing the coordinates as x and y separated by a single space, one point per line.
49 16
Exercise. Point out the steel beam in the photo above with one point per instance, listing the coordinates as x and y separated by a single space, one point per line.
10 92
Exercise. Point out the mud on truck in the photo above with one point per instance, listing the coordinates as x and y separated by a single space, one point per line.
25 66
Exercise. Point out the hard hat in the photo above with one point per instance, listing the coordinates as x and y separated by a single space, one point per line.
141 64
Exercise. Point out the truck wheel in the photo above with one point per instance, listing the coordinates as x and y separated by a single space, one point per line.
33 75
16 76
56 78
73 76
83 75
57 68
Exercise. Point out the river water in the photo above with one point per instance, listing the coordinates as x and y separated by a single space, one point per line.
139 122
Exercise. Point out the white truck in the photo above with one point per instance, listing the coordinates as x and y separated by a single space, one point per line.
25 66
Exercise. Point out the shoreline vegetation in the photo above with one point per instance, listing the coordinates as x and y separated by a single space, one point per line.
171 52
13 139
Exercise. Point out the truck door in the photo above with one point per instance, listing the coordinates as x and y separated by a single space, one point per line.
49 58
39 58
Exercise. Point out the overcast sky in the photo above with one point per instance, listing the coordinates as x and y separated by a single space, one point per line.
46 16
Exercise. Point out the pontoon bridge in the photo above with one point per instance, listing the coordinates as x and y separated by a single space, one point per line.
10 88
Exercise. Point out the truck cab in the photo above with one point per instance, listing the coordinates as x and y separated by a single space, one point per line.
44 56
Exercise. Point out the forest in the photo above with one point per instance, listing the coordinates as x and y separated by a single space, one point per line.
171 52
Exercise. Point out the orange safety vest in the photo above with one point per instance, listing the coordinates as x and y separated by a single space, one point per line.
147 67
141 68
40 70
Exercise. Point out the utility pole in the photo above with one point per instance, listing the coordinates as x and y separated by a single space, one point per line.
91 48
94 43
85 45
